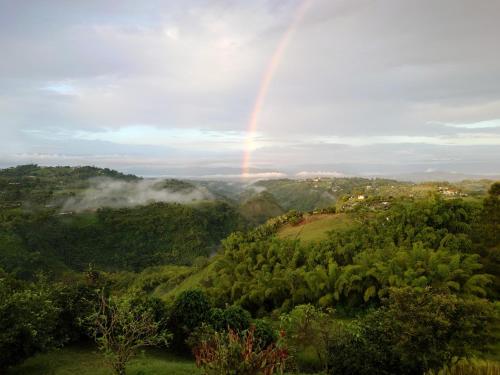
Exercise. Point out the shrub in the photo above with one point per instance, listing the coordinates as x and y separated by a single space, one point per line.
469 368
308 333
234 317
75 302
264 333
347 352
121 327
191 308
415 331
237 318
216 319
28 318
232 353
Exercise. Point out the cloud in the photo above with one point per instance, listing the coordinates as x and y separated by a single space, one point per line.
309 174
172 84
251 176
105 192
488 124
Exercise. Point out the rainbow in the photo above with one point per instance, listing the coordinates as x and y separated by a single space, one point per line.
266 82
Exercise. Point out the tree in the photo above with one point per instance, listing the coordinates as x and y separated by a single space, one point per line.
309 327
28 318
487 237
191 308
413 332
120 329
233 317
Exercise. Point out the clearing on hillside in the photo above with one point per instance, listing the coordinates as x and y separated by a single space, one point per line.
315 227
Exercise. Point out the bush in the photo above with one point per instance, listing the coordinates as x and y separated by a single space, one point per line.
232 353
347 353
28 318
414 332
264 333
469 368
308 334
234 317
237 318
191 308
75 302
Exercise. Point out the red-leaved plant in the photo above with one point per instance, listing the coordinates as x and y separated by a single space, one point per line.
239 354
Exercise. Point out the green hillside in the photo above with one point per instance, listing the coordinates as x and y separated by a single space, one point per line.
339 287
61 219
261 207
35 186
322 192
315 227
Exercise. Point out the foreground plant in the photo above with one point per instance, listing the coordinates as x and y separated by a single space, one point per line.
120 329
415 331
309 327
232 353
469 367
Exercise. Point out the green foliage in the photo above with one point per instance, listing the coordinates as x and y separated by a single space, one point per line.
28 320
232 317
469 367
167 276
261 207
349 353
316 227
487 236
112 239
413 243
190 310
415 331
309 328
237 318
75 301
122 326
35 186
264 333
38 233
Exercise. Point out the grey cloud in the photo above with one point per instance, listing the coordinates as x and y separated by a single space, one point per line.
351 69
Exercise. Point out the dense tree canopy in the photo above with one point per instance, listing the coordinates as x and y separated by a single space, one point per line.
414 243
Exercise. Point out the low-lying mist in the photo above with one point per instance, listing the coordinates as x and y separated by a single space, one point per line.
106 192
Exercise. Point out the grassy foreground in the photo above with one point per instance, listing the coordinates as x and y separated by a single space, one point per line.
86 361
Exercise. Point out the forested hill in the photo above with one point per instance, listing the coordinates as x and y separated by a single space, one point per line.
58 219
446 243
385 277
35 185
63 173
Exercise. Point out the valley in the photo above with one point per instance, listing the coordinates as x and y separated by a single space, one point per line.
334 248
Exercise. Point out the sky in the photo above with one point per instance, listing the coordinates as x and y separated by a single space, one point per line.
356 87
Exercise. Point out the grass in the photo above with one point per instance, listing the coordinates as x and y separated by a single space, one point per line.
191 282
84 360
316 227
472 367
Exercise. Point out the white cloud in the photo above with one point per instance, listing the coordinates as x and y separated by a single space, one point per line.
309 174
183 76
251 176
487 124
